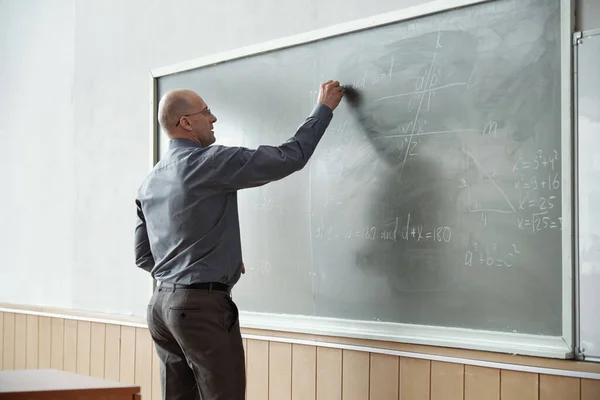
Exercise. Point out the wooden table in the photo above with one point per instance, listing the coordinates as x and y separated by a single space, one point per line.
46 384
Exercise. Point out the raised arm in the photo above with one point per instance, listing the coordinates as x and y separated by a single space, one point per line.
239 167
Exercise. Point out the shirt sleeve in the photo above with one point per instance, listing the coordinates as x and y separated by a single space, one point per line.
143 255
236 168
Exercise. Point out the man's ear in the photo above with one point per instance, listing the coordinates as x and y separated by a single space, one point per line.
185 123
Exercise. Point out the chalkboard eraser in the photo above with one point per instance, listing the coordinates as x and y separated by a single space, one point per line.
352 95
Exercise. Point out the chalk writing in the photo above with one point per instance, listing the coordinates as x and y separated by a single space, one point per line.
491 256
266 204
420 232
263 267
422 84
539 221
542 204
409 127
550 182
409 232
372 77
474 206
490 128
539 161
472 79
539 183
433 90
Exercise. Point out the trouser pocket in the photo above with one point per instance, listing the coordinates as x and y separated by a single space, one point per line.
233 317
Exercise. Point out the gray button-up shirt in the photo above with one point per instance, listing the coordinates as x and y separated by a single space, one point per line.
187 227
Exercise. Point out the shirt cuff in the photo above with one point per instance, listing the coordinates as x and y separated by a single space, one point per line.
321 111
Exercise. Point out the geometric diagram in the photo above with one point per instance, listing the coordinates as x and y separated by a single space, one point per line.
427 85
506 207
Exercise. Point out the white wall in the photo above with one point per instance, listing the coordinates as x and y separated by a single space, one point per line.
74 128
37 191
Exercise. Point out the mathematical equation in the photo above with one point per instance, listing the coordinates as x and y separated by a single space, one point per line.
409 232
540 189
539 184
539 161
537 190
539 221
548 183
490 256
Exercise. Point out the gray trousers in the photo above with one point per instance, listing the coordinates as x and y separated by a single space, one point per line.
198 341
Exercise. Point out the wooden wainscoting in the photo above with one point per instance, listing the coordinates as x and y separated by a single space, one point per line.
116 352
276 370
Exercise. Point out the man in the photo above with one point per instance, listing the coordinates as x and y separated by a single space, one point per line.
187 236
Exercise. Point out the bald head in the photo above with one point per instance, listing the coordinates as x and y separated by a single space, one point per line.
175 104
197 122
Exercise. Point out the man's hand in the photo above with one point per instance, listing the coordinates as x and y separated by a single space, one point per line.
331 94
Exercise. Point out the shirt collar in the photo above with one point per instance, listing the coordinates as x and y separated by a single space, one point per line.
175 143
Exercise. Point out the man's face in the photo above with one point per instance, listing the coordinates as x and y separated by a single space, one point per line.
201 122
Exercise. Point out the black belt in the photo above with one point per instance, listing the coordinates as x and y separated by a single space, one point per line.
218 286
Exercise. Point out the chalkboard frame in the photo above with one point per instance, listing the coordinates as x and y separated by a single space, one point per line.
514 343
587 326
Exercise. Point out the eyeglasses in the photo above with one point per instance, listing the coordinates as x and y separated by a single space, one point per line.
205 111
